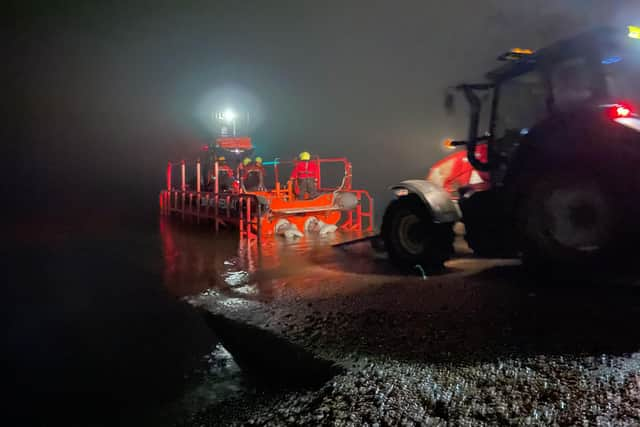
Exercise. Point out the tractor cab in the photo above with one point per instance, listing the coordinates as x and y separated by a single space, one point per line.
592 72
551 157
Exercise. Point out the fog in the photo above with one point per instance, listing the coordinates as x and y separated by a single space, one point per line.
112 93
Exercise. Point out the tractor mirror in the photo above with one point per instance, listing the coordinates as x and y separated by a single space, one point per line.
449 102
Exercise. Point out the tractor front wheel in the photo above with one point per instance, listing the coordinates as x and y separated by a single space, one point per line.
412 238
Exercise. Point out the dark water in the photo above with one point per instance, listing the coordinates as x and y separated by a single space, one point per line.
98 332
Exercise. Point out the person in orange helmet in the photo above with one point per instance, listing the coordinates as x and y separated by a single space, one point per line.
225 174
306 174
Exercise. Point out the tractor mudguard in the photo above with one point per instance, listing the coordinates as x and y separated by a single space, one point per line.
443 209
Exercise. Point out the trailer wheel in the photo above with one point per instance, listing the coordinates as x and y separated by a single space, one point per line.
412 238
567 224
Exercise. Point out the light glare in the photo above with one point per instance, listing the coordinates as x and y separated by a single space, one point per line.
229 115
623 111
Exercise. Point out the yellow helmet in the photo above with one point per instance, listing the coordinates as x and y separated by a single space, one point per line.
246 161
305 155
258 160
221 159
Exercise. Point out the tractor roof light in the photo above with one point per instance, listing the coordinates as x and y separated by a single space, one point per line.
520 51
634 32
516 54
611 60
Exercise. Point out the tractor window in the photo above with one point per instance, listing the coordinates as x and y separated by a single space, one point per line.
572 82
523 102
622 79
621 68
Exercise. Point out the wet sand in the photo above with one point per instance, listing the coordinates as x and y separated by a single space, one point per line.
482 344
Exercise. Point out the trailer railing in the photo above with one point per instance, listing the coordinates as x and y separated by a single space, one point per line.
244 210
241 210
361 218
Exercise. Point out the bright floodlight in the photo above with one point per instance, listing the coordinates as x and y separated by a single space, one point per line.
229 115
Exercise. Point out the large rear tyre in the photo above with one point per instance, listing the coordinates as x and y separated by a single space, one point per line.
568 225
488 243
412 238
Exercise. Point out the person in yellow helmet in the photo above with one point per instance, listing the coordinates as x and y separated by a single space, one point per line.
253 175
242 167
306 174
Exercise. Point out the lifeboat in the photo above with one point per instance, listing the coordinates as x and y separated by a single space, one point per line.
273 209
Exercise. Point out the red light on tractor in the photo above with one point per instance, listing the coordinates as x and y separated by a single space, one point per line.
623 111
204 148
619 111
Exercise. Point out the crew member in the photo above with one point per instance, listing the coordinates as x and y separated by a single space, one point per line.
225 174
242 166
253 176
245 162
258 163
306 175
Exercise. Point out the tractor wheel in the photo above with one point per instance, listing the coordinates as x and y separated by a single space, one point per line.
567 224
412 238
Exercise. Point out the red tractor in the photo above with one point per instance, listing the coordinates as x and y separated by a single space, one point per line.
554 174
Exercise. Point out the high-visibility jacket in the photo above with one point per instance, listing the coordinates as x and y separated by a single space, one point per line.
252 169
305 169
225 169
